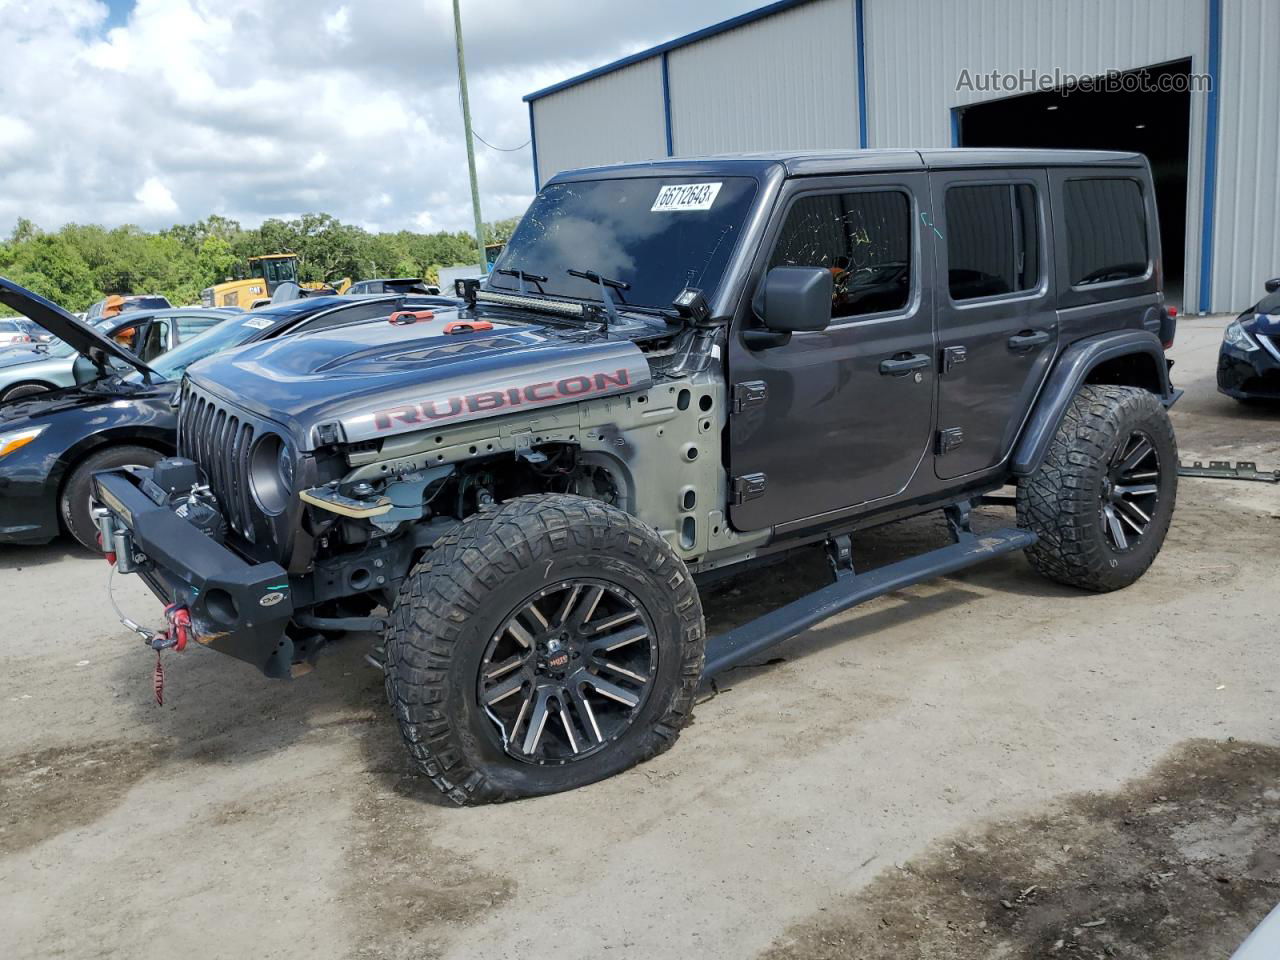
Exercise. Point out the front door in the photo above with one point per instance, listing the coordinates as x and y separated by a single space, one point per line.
997 328
841 416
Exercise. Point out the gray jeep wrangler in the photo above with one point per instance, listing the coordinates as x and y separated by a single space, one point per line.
675 368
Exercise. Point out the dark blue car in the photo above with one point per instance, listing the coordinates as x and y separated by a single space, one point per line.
1249 359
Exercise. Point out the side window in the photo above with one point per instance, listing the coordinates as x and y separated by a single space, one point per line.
130 336
863 238
344 315
993 240
1106 230
192 324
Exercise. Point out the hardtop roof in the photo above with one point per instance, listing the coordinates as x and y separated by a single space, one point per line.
798 163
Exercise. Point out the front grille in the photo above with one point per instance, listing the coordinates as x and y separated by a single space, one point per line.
1272 343
219 439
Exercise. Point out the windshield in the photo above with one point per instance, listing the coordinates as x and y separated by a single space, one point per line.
276 272
229 333
657 234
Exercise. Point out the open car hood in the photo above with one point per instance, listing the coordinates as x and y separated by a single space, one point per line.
87 341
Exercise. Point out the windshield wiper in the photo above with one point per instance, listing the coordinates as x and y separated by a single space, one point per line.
605 284
521 277
619 285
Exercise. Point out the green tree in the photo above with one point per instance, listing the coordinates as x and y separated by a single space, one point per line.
81 263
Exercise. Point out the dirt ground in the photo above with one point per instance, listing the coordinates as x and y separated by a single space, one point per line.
987 765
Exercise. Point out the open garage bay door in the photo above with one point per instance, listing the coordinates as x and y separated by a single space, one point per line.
1152 117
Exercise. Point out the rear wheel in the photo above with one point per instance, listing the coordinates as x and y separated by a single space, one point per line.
1102 500
546 644
77 493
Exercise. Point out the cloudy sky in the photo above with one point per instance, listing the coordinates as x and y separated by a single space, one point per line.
161 111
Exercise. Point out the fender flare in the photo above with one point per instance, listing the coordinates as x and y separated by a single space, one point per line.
1069 373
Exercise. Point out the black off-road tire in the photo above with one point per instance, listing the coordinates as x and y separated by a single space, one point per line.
1063 500
470 583
77 492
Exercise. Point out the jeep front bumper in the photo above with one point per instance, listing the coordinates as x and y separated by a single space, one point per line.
237 607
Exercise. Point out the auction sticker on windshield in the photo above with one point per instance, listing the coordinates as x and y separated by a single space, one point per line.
685 196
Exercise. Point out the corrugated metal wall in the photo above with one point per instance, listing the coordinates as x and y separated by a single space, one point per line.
609 119
1247 203
787 81
916 50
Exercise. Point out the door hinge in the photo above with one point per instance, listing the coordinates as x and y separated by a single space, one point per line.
750 486
949 438
749 393
953 355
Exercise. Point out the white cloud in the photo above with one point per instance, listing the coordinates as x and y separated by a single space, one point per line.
156 200
335 24
253 109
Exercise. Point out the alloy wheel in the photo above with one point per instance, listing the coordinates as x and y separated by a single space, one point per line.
1130 491
568 672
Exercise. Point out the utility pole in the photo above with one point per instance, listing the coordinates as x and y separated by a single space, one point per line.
471 149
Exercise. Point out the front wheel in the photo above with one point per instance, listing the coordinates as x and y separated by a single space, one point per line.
546 644
76 503
20 390
1102 499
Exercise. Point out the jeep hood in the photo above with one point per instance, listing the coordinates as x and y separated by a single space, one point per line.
87 341
379 379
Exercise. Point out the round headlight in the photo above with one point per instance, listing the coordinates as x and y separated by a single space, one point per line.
284 467
271 474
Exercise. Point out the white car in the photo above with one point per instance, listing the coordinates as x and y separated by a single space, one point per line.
12 332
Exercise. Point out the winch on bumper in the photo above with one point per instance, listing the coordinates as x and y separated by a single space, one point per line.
236 607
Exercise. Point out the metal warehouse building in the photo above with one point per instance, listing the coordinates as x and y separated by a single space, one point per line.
1193 84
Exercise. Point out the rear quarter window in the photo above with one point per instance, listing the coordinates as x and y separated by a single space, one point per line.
1106 222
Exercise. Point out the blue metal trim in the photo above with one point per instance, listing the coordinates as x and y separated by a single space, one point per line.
722 27
666 103
862 78
533 142
955 126
1210 155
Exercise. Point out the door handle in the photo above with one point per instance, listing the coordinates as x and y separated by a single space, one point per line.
1028 339
896 367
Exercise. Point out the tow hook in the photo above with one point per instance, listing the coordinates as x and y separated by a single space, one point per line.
173 637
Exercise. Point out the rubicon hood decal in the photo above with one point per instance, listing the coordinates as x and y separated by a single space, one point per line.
573 372
377 380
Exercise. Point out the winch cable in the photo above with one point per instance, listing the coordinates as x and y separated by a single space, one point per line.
147 635
174 636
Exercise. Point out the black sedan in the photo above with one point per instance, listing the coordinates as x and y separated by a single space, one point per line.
1249 359
121 411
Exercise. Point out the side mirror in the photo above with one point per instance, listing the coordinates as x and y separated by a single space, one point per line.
791 300
84 370
1272 285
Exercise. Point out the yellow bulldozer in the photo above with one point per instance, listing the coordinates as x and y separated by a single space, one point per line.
261 279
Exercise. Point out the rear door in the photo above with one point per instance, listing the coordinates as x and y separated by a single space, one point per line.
837 417
997 325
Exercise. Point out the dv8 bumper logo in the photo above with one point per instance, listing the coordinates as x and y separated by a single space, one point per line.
271 599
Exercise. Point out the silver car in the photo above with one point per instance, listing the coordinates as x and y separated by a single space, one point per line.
146 334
